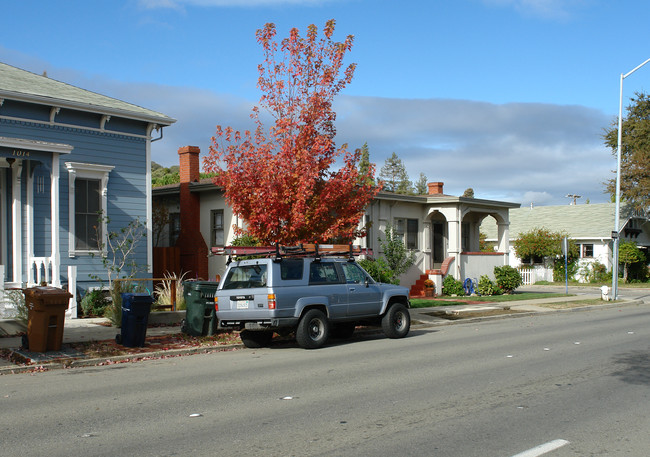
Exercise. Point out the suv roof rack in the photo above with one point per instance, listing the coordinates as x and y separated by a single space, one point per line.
302 250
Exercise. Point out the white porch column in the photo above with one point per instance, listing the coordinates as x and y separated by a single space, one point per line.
503 237
56 222
29 221
454 248
426 245
72 312
17 221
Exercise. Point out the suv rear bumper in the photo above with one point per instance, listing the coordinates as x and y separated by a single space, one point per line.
260 324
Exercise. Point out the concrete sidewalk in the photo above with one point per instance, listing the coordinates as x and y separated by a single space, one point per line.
90 329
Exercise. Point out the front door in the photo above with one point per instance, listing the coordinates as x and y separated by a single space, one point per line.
438 243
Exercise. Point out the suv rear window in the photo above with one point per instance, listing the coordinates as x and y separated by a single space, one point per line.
246 276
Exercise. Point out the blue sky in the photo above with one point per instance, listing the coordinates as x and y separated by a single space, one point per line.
509 97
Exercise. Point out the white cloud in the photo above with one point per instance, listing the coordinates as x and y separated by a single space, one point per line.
514 152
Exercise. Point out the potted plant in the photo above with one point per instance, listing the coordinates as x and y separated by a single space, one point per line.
429 288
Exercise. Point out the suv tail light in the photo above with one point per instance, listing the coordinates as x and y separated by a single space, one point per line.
271 299
216 304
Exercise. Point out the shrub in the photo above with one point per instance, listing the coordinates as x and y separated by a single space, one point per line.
379 270
451 286
486 286
558 269
94 303
508 278
398 258
17 298
596 272
164 292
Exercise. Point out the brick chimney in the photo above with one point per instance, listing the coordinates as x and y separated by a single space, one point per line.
435 188
194 250
189 163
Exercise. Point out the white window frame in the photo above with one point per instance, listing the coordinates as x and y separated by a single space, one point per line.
86 171
401 228
215 228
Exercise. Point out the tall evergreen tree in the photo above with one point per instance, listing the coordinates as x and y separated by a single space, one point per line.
421 187
366 169
635 152
394 176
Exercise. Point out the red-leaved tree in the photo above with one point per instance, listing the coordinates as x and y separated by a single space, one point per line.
282 182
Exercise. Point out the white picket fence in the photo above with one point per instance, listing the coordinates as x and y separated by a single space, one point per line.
538 273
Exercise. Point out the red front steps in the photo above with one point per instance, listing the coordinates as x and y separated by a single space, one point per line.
417 289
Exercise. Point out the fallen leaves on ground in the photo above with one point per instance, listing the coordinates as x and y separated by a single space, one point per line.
108 348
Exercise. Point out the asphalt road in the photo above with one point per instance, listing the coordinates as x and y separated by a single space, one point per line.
577 380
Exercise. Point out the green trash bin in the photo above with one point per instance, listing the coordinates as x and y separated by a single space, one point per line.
200 318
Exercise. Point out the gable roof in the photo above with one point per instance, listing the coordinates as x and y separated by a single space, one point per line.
578 221
22 85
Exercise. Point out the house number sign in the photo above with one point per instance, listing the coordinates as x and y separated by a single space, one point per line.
20 153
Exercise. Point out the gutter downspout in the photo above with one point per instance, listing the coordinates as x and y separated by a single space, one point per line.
149 195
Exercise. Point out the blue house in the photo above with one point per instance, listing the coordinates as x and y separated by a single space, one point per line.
67 154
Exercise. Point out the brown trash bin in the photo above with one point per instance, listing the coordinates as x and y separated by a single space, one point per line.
46 315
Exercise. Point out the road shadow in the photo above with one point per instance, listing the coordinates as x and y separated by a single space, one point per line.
634 367
359 335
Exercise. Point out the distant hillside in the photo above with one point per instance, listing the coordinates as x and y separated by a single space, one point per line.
162 176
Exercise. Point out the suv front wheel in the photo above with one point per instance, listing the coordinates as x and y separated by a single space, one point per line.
397 321
313 330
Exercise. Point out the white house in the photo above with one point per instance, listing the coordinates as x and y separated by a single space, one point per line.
442 230
590 226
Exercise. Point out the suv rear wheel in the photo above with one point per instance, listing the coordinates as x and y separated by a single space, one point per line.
256 339
313 330
397 321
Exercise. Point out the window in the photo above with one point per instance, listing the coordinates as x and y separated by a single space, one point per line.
216 227
87 194
174 228
291 269
408 230
246 277
354 274
86 214
323 273
587 250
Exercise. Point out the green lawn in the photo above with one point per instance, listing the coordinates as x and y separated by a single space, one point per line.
447 301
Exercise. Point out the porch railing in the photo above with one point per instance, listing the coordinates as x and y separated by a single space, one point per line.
40 271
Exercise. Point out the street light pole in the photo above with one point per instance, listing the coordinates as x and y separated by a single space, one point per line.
617 229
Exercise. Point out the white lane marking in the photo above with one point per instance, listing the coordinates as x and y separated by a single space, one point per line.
543 448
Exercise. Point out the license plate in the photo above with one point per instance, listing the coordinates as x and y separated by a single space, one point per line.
242 304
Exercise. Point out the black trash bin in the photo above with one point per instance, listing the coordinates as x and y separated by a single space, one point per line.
200 318
135 316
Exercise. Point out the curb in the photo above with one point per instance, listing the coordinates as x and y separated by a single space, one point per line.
105 361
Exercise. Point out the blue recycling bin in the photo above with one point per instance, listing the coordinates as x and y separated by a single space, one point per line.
135 317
